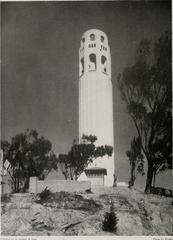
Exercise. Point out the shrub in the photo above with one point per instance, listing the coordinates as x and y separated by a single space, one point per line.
110 221
5 198
88 191
44 195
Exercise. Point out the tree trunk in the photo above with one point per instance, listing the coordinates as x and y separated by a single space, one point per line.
18 188
154 178
65 175
76 177
71 177
149 177
132 176
15 185
26 185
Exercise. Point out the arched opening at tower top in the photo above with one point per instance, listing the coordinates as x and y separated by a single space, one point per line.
102 39
92 62
92 37
104 63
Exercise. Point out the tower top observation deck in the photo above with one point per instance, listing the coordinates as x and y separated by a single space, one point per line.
94 35
94 53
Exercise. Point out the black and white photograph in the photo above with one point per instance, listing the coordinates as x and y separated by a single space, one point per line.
86 119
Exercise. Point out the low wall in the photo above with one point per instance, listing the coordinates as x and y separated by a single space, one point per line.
37 186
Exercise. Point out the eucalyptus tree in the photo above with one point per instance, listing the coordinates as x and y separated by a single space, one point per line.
146 88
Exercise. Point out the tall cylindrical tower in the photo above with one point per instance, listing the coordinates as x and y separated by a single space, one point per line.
95 95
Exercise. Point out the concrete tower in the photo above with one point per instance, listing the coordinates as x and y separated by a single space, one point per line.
95 95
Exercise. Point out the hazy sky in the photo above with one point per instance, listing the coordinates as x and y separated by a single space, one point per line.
40 43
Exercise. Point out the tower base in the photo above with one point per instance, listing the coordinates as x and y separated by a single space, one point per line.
99 172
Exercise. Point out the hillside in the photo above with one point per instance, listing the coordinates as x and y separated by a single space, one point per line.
82 214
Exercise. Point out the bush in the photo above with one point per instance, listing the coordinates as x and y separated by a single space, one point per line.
110 221
5 198
44 195
88 191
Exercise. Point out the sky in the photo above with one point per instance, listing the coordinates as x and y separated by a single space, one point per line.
40 66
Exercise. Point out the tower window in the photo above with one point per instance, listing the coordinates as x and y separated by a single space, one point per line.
102 39
83 40
81 66
92 37
92 62
104 63
103 59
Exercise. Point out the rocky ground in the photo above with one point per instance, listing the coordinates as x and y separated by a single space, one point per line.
82 214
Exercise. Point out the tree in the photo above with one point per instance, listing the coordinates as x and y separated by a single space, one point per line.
110 220
29 155
146 89
81 155
64 165
163 157
136 159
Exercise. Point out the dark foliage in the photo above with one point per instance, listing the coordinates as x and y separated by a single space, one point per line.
88 191
5 198
81 155
136 160
66 200
44 195
29 155
146 87
162 191
110 221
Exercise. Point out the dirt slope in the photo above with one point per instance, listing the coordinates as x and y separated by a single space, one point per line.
82 214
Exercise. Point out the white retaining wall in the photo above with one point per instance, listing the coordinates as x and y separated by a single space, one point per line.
37 186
